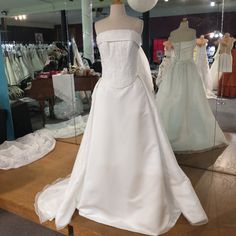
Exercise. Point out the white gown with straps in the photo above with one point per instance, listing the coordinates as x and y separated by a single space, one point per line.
125 174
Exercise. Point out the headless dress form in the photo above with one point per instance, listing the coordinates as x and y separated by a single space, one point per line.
225 59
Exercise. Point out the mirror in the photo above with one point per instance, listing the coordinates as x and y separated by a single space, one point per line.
208 19
211 20
193 112
34 54
226 90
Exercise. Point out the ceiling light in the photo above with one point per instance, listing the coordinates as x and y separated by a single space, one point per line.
216 34
166 0
20 17
213 4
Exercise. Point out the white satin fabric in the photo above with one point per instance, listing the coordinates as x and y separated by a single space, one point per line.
25 150
184 109
125 174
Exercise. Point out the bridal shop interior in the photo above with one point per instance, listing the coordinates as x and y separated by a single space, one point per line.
118 117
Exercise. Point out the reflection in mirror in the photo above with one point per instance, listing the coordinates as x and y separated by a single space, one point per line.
194 112
38 58
226 89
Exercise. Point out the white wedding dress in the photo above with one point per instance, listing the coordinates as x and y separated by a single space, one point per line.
125 174
184 109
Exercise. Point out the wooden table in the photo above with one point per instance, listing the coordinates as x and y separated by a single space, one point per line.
42 91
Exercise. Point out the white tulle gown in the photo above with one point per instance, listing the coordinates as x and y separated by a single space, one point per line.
125 174
184 109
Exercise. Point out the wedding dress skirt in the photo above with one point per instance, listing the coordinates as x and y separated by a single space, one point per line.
125 174
25 150
67 129
184 109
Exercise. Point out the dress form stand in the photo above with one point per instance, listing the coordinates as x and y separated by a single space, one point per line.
201 41
183 33
168 45
118 19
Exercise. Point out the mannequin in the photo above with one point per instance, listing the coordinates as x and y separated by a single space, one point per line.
118 20
201 41
225 60
226 43
168 45
166 63
183 33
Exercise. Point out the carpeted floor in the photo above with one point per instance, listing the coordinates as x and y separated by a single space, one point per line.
13 225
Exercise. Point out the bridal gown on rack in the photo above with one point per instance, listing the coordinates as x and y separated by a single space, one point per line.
184 109
125 174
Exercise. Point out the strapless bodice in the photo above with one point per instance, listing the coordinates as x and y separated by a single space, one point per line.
184 50
119 53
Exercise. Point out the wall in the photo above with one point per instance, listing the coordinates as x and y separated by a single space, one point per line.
203 23
26 34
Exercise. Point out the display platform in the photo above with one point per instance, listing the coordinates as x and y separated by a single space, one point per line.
216 192
20 186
